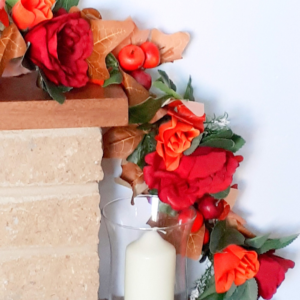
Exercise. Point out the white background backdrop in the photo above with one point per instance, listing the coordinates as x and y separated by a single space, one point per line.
244 58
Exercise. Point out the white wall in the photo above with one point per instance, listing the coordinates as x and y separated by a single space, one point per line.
244 58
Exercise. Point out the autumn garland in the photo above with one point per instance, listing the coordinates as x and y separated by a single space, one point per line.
170 147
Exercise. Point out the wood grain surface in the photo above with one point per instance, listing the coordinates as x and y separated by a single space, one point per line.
24 106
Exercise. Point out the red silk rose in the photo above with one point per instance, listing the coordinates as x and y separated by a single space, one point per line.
60 47
207 170
271 273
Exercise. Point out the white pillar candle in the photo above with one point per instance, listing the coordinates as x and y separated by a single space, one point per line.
150 268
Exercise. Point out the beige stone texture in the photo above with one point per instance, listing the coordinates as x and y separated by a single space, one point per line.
50 157
64 276
49 216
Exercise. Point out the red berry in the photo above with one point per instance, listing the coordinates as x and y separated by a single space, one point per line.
206 237
186 215
152 55
131 57
197 223
209 209
142 78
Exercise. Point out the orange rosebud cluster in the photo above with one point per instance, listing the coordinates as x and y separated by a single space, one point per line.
234 265
28 13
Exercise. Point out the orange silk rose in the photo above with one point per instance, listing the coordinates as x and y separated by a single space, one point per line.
28 13
173 139
234 264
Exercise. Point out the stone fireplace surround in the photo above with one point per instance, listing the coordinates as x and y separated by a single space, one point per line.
50 166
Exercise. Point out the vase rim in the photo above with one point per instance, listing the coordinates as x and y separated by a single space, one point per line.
143 228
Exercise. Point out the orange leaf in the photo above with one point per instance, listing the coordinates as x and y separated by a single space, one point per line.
107 35
135 92
120 142
12 45
171 45
195 244
137 37
132 176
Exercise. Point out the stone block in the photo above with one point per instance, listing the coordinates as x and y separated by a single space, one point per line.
50 157
47 275
49 216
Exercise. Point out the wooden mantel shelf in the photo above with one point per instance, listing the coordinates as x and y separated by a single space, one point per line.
24 106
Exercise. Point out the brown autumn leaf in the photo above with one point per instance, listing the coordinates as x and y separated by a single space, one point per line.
120 142
171 45
234 220
107 35
195 244
12 45
87 13
135 92
137 37
192 248
133 177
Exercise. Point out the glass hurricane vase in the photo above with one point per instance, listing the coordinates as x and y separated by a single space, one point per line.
148 249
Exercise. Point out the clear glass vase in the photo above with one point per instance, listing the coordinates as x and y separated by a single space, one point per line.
148 249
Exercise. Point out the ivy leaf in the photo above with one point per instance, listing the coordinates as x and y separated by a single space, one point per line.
145 111
66 4
55 92
115 78
225 133
247 291
195 143
164 88
166 80
221 195
219 143
258 241
189 92
223 236
239 142
147 145
275 244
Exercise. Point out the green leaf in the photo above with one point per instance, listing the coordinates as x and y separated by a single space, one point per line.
164 88
153 192
189 92
145 111
54 91
221 195
275 244
66 4
246 291
225 133
116 77
209 291
239 142
167 209
194 145
64 89
165 79
111 61
147 145
230 292
258 241
219 143
11 3
223 236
